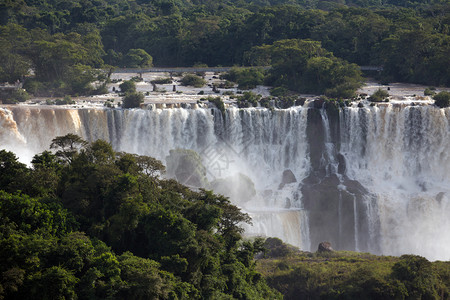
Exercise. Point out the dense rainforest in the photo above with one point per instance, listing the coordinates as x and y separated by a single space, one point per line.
66 42
90 223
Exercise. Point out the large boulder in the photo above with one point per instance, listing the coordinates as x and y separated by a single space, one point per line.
337 209
239 188
325 247
319 103
186 167
288 177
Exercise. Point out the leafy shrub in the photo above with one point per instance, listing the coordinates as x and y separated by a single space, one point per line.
343 91
161 80
246 78
279 91
379 96
33 86
109 103
137 79
218 103
132 100
417 275
128 86
429 92
67 100
306 67
274 247
248 99
193 80
10 101
137 58
101 90
13 97
20 95
226 85
351 275
286 102
442 99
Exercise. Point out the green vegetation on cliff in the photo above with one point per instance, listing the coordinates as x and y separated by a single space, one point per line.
442 99
351 275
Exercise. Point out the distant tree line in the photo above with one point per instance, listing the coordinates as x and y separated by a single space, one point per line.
64 40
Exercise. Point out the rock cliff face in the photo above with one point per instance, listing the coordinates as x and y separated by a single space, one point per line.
370 179
337 206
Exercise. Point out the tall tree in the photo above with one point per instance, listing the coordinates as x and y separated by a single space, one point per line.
14 64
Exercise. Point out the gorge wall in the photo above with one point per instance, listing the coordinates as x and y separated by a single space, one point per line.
369 179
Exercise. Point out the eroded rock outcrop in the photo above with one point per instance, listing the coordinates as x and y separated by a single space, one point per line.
325 247
287 178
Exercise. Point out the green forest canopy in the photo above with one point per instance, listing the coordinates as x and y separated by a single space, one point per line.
64 42
91 223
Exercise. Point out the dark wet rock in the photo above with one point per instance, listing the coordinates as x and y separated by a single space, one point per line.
336 208
440 196
318 103
276 248
239 188
300 102
315 135
341 163
325 247
336 205
288 177
186 167
360 105
287 203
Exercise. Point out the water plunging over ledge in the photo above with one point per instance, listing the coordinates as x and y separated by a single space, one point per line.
370 179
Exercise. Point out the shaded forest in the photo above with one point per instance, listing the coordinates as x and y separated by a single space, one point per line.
90 223
64 42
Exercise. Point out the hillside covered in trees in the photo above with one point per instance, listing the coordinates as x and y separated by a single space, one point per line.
91 223
65 42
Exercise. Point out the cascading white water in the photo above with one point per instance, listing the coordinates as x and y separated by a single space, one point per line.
399 154
255 142
329 155
30 130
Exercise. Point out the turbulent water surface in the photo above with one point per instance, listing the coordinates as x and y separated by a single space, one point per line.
368 179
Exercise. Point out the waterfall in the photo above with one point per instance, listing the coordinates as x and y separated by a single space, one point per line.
401 155
370 179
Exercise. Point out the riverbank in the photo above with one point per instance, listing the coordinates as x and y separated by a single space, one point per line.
174 94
